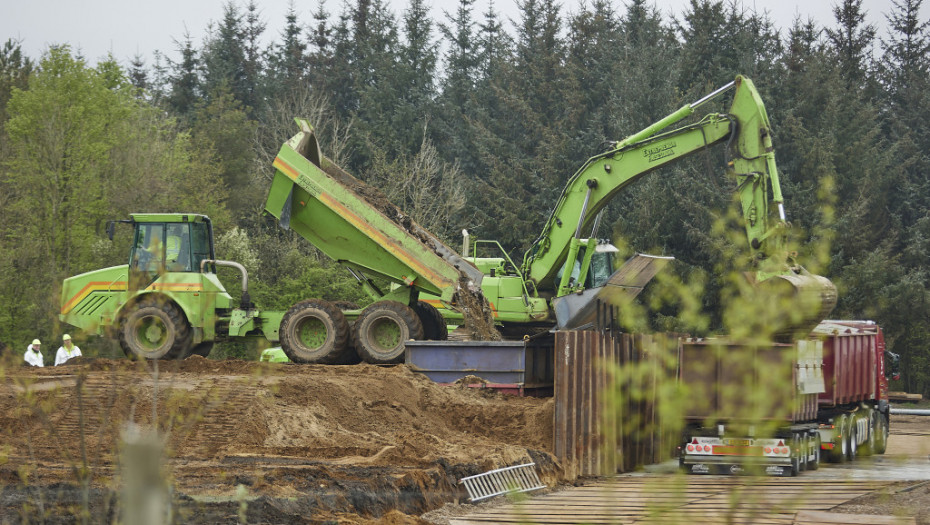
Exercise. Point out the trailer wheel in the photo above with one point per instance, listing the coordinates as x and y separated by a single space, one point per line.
796 453
852 438
155 329
815 443
382 328
868 448
840 440
434 324
881 440
314 331
804 452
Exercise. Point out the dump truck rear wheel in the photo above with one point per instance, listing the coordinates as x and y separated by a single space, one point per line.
345 305
381 330
155 330
434 324
202 349
314 331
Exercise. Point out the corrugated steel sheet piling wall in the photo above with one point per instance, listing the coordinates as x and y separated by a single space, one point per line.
607 389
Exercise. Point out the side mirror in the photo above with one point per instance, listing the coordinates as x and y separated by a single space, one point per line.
111 229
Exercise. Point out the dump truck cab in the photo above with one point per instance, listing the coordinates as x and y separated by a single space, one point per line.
161 304
169 242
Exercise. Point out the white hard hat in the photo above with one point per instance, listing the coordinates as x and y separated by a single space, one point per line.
36 342
66 337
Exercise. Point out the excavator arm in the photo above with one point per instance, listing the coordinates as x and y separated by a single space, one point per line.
745 130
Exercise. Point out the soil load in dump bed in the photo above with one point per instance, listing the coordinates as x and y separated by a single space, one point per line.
307 441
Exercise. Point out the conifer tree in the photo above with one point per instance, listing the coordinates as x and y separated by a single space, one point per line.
184 81
852 41
288 61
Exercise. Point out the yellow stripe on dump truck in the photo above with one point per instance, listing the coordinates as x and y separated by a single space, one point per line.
96 286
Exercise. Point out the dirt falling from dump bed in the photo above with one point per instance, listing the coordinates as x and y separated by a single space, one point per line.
477 313
478 316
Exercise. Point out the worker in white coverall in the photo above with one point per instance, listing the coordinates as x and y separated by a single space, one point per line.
34 353
67 350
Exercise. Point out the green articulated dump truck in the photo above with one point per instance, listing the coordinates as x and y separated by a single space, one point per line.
168 303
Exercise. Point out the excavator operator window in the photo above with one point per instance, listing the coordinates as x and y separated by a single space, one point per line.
602 266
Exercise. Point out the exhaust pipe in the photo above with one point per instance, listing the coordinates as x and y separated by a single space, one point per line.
246 302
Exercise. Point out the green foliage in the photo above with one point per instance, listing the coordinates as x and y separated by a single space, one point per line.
483 136
82 150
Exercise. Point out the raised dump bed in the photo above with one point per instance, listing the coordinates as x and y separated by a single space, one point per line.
514 367
356 226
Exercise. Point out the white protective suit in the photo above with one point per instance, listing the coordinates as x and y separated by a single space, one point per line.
34 356
64 354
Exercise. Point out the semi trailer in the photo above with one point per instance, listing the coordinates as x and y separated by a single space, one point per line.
783 408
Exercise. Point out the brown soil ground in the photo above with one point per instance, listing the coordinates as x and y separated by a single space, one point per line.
282 443
308 444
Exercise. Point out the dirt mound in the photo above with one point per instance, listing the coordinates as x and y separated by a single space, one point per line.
359 439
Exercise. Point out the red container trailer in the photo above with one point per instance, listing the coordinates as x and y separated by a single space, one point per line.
853 408
778 406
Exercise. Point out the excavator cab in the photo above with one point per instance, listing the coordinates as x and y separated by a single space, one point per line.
598 269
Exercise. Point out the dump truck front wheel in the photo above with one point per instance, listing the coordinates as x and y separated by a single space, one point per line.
155 329
381 330
314 331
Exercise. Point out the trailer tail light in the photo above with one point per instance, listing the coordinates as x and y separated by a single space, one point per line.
707 448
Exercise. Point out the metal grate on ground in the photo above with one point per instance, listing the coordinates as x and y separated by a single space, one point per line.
519 478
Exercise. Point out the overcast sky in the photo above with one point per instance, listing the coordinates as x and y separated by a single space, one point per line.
129 27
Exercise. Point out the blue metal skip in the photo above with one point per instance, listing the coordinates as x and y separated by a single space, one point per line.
517 365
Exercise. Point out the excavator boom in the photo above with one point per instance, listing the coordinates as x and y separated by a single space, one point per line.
746 131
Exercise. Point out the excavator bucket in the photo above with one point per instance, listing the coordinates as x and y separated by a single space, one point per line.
578 311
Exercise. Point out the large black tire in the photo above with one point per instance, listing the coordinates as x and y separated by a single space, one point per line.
841 440
345 305
202 349
796 453
852 437
804 441
381 330
881 438
868 447
314 331
814 463
434 324
155 329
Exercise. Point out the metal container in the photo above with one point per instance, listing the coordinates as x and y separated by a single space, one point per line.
730 382
518 367
853 361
